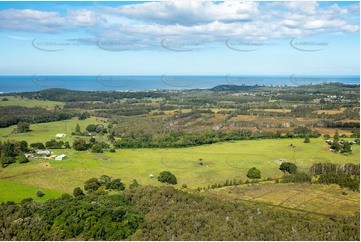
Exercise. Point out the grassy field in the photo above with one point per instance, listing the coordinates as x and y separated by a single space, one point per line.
12 191
221 161
315 198
43 132
273 110
330 111
30 103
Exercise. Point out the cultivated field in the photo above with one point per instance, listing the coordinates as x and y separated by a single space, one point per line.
314 198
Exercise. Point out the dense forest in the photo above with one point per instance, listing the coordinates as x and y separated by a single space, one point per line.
164 213
83 217
11 115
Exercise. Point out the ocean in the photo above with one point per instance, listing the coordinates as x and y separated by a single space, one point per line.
175 82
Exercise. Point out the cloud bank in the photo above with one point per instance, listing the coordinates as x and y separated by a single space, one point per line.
142 25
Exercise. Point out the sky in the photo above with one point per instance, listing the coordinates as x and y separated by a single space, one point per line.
180 38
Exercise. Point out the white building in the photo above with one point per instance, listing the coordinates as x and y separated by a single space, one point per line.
43 153
60 135
60 157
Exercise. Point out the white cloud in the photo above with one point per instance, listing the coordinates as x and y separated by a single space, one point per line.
305 7
84 17
188 12
145 24
30 20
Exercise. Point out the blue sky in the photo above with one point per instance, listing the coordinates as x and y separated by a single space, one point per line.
180 38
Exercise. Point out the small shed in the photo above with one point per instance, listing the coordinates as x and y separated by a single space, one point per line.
60 135
60 157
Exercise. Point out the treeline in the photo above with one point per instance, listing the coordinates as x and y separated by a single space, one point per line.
329 168
12 115
70 218
183 139
345 175
11 152
64 95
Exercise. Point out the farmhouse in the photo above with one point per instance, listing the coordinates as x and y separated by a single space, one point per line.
43 153
60 157
60 135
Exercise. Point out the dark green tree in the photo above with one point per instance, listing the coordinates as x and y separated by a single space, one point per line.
77 129
6 160
336 136
23 127
80 144
91 185
167 177
78 192
91 128
22 159
38 145
116 184
97 148
23 146
82 116
346 148
307 139
134 184
105 180
254 173
289 167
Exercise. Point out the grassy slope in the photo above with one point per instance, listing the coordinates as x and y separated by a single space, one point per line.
30 103
43 132
221 162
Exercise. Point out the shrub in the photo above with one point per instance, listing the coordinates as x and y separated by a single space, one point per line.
254 173
288 167
97 148
91 185
78 192
167 177
40 193
116 184
22 159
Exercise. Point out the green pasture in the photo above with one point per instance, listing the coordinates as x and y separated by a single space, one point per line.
221 161
30 103
43 132
12 191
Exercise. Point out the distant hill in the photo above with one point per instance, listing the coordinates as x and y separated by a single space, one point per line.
232 88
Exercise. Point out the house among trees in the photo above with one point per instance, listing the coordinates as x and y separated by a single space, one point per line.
43 153
60 135
60 157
